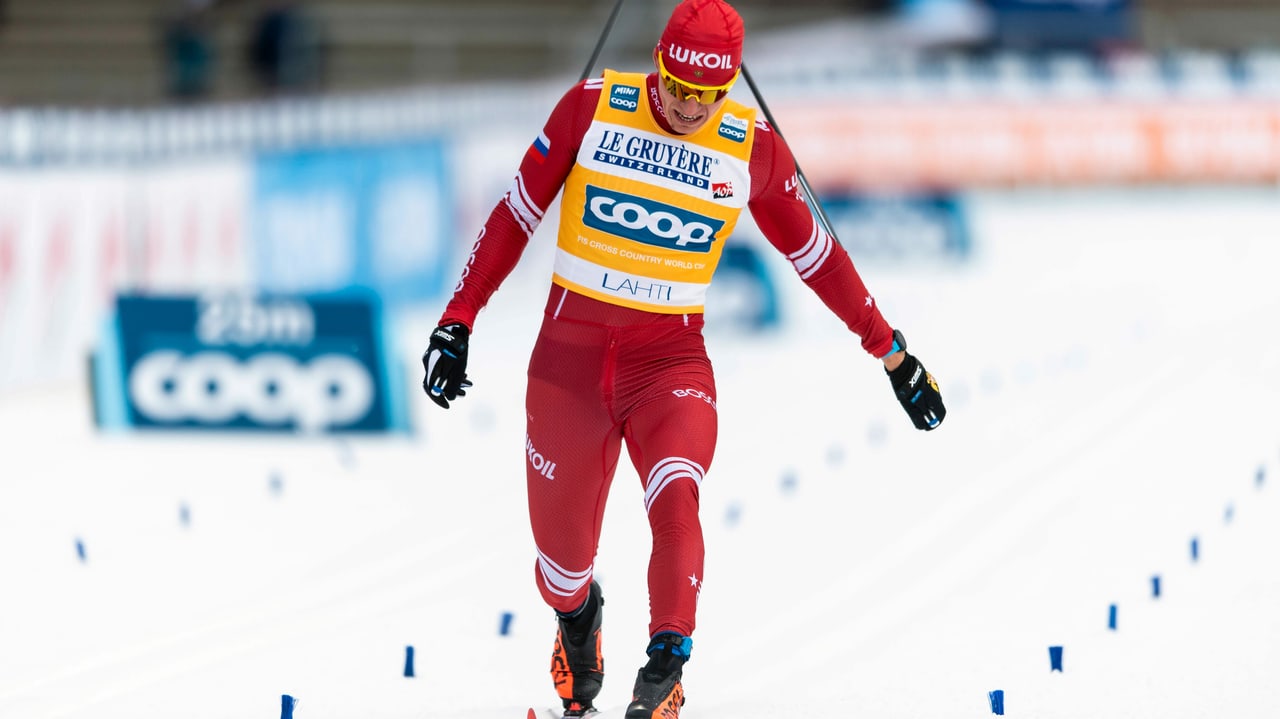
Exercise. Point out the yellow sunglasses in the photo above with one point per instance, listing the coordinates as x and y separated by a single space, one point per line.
685 90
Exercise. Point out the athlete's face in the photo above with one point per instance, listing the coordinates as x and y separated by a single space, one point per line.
687 115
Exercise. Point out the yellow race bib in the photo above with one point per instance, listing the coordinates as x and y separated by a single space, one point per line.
645 213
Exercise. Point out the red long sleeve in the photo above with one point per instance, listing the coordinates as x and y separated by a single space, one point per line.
513 220
779 209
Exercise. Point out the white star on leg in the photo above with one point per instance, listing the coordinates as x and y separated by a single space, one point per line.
870 301
693 580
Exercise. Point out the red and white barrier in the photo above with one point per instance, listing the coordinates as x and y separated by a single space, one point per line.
70 238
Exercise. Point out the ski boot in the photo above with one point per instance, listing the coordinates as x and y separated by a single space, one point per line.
577 667
658 693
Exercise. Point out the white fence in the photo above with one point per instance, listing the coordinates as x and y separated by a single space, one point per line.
94 201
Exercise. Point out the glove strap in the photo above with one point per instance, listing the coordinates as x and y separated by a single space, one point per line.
899 344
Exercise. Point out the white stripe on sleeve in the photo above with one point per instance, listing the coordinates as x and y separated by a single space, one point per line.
526 212
809 258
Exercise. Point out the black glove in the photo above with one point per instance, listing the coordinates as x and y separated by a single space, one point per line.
916 389
445 362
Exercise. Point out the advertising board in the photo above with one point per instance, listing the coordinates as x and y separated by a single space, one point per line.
277 363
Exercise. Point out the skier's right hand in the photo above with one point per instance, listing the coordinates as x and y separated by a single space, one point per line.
445 363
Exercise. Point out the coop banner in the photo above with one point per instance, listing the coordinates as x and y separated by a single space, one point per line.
259 363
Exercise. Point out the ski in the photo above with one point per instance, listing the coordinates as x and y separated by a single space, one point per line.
558 714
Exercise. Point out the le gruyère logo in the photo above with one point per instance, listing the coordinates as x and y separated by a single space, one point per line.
653 156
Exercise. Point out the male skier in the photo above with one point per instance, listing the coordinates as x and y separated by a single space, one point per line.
655 170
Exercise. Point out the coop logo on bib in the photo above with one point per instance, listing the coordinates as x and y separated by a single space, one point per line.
625 97
647 221
733 128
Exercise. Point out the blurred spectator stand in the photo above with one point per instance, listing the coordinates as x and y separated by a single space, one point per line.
287 49
189 50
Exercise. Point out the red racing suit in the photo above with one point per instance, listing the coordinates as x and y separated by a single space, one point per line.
620 354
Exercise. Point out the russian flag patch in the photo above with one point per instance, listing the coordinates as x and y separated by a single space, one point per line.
540 147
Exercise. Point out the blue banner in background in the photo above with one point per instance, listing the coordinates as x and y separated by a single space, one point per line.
930 227
375 217
241 362
1063 25
743 297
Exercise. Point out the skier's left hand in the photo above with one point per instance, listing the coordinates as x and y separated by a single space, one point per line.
916 389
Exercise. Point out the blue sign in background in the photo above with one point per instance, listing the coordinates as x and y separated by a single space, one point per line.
1047 25
906 227
244 362
376 217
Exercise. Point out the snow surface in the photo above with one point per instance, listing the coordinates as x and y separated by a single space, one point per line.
1109 362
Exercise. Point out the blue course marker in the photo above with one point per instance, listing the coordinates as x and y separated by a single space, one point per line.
997 701
346 455
835 455
1195 549
184 514
408 661
287 703
1055 659
733 514
504 624
1155 587
80 550
1111 617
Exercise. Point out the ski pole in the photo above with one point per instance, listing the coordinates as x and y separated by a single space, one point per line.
604 34
809 196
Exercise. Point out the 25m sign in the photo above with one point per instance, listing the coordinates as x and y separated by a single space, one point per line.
239 362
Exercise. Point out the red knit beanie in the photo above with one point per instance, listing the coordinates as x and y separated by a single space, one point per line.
702 43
